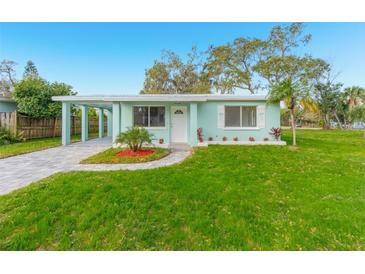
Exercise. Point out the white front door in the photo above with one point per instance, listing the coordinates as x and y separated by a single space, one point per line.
179 124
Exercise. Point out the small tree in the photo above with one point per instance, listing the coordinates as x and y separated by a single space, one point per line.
135 138
327 96
30 71
357 114
292 94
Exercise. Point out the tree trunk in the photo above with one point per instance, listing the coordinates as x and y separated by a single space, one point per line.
326 121
338 120
293 126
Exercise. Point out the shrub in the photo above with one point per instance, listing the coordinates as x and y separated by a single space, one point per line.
266 139
224 138
7 137
276 132
200 134
251 139
235 139
210 139
135 138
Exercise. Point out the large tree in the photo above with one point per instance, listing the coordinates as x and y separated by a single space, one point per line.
34 97
7 75
231 67
172 75
30 71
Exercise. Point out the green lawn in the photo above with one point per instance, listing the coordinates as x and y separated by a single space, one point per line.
35 145
221 198
109 157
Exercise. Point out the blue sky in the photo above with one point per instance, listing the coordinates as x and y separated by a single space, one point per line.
111 58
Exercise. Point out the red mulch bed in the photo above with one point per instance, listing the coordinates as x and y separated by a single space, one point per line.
131 153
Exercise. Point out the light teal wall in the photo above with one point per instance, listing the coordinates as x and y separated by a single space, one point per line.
8 106
202 115
127 118
208 121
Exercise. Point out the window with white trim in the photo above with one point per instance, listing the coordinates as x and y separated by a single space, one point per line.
149 116
240 116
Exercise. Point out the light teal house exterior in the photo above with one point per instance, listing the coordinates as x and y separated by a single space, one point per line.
176 118
7 104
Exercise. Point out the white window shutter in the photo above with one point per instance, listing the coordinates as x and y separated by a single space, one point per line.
261 116
220 117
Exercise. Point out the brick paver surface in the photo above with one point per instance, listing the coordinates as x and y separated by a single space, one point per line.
22 170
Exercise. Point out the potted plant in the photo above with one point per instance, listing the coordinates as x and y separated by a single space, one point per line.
224 138
199 132
276 132
251 139
235 139
161 141
210 139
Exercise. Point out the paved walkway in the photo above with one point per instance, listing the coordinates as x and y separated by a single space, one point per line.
19 171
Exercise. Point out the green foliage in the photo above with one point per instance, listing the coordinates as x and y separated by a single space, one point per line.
328 97
172 75
8 137
220 198
357 114
135 138
34 97
354 95
30 71
231 66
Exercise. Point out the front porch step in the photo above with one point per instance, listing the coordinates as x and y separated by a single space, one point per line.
180 146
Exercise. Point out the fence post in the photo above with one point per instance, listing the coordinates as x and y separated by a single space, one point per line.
15 124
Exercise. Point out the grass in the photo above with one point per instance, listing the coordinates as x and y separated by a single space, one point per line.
35 145
221 198
109 157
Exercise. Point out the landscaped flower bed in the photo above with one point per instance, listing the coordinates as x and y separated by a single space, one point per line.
126 155
138 153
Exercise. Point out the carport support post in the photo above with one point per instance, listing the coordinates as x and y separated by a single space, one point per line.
84 123
101 123
109 115
116 120
193 124
66 123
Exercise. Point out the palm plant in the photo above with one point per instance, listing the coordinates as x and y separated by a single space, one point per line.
135 138
354 95
293 95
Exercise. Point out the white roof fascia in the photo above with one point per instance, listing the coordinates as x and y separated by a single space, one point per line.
161 98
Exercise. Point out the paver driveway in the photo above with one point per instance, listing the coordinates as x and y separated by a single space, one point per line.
19 171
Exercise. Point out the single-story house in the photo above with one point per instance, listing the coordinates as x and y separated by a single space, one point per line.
176 118
7 104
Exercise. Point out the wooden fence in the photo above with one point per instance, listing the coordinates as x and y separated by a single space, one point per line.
32 128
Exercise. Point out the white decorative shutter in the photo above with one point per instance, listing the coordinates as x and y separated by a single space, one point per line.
261 116
220 117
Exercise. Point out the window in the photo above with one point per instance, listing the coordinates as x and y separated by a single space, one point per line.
145 116
240 116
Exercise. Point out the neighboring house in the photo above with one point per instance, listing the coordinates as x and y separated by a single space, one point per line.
7 104
176 118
